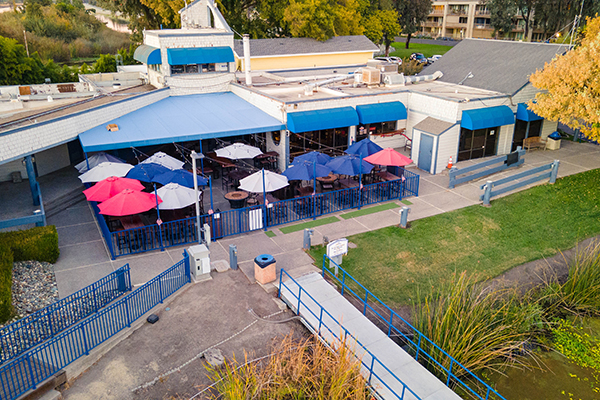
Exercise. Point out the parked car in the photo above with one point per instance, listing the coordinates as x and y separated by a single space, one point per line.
434 58
419 57
393 60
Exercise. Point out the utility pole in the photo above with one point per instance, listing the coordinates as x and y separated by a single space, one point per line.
26 47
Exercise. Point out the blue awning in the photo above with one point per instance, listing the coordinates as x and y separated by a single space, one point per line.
316 120
525 114
180 119
489 117
200 55
147 55
382 112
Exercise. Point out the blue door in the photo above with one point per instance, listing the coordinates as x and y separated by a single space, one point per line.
425 152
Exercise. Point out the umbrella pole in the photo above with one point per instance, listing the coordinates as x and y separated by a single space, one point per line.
201 160
314 190
264 200
360 182
87 162
162 247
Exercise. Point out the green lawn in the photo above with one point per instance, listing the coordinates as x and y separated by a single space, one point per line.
396 263
428 50
370 210
308 225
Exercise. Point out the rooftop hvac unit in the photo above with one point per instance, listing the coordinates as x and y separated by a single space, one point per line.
371 76
388 67
393 79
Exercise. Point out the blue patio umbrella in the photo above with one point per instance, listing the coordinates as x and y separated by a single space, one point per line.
364 148
146 172
313 156
179 176
349 165
305 171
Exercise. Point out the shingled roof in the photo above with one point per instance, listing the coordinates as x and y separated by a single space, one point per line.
497 65
290 46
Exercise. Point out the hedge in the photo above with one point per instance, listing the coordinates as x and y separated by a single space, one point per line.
39 244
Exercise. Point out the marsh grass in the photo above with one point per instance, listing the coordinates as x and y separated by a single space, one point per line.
305 369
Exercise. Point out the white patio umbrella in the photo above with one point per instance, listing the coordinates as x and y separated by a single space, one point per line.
165 160
237 151
175 196
254 182
105 170
95 159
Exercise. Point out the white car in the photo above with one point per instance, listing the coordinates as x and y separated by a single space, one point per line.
393 60
434 58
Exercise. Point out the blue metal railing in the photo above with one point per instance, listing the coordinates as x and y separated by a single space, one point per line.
369 366
36 365
417 346
454 173
40 326
38 218
234 222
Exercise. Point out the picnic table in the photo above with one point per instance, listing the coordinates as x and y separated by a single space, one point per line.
348 183
387 176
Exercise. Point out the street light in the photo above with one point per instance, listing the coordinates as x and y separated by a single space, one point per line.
195 156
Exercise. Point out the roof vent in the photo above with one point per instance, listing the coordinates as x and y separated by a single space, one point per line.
112 127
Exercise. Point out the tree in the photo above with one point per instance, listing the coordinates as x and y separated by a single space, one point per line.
502 13
106 63
381 27
412 14
570 85
323 19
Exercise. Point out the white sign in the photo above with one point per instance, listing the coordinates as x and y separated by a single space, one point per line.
338 247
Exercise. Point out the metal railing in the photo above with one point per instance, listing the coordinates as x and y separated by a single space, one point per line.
489 185
36 365
237 221
40 326
454 173
368 366
414 339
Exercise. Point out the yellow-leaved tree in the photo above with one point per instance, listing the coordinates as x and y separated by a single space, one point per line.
570 85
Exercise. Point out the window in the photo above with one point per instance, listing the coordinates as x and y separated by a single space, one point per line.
196 68
327 140
477 143
377 128
463 20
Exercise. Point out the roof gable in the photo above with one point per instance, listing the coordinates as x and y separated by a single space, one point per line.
497 65
292 46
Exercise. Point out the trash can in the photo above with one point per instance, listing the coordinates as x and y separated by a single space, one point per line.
553 141
265 269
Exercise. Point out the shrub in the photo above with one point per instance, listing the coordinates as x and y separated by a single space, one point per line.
295 370
39 243
6 264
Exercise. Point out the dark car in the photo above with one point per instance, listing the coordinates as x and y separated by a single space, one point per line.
420 58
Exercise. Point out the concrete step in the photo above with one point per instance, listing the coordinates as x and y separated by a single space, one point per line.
63 202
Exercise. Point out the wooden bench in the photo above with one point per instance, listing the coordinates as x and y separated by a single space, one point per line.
535 142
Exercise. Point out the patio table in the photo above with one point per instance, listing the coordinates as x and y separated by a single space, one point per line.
237 199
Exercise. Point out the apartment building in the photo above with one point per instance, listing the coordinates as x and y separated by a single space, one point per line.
469 20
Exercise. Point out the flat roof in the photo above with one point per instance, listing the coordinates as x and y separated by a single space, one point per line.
181 118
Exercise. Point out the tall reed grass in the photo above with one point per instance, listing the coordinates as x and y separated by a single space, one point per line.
481 328
304 369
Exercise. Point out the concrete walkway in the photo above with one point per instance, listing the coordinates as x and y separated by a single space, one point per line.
84 257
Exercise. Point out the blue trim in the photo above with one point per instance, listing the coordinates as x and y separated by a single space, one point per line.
307 121
147 54
489 117
382 112
200 55
525 114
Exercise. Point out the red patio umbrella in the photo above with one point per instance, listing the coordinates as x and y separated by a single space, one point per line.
111 186
388 157
129 202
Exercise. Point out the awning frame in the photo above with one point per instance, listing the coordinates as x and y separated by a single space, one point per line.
147 55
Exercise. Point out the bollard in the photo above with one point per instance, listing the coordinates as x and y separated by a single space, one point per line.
554 171
307 234
487 195
207 238
233 256
404 217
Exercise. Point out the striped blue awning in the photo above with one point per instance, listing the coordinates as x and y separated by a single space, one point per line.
147 55
489 117
525 114
382 112
200 55
307 121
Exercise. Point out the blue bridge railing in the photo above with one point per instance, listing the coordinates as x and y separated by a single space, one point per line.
40 363
234 222
370 364
40 326
454 373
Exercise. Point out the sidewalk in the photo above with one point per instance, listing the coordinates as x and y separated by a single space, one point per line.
84 257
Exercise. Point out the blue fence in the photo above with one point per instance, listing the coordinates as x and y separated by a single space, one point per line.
38 218
233 222
455 374
552 173
36 365
343 337
485 167
40 326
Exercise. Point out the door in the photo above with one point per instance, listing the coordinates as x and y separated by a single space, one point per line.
425 152
478 143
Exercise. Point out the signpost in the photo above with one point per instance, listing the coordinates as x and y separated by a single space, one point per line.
336 250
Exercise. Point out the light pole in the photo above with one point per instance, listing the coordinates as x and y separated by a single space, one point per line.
195 156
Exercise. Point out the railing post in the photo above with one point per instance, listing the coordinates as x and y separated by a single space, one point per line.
33 380
280 279
324 262
50 322
85 345
160 289
452 176
320 321
554 172
390 324
418 348
299 294
343 282
450 372
366 300
487 194
371 369
127 311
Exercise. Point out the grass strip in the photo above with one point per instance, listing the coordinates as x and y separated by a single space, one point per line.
310 224
370 210
427 50
270 234
408 203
